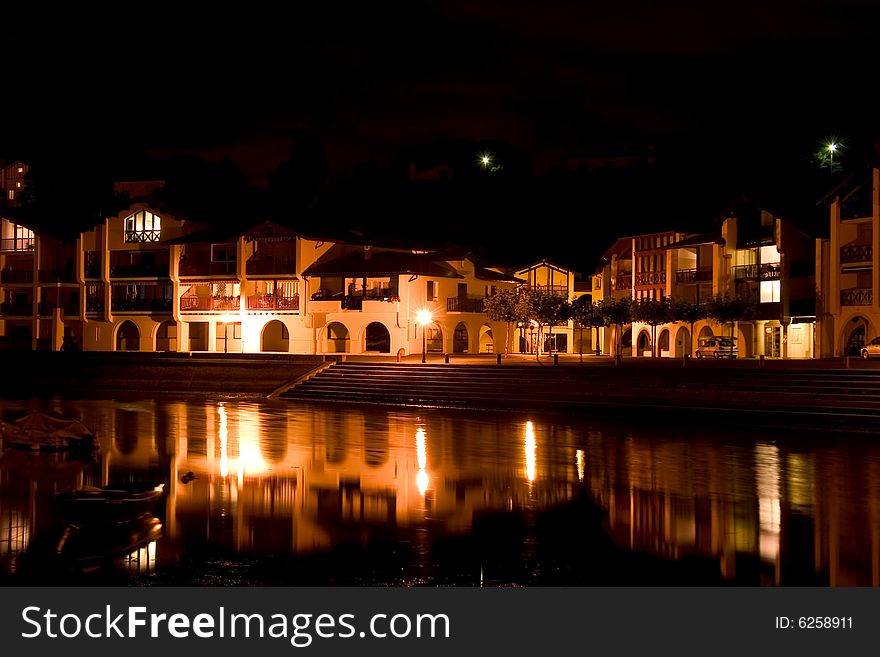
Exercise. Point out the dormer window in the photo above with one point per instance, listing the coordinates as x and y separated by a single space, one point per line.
143 226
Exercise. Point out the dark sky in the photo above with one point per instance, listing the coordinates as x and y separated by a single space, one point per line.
745 83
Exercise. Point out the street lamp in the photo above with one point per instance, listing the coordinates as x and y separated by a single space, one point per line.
423 317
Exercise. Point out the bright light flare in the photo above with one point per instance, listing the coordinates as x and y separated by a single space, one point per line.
422 479
531 452
424 317
580 464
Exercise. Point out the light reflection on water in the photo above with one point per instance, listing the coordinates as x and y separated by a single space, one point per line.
275 480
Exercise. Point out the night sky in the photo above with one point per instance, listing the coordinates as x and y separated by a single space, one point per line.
746 90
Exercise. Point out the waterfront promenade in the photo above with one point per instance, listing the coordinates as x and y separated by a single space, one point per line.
812 394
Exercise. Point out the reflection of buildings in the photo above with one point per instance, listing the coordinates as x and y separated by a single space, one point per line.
767 514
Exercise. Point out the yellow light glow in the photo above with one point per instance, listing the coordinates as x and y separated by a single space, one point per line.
531 452
485 159
224 437
832 147
423 317
422 459
580 464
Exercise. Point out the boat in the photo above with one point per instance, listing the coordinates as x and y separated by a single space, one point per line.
108 505
88 548
47 431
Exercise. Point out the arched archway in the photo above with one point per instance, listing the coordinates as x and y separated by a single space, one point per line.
337 338
377 338
663 342
434 339
460 339
487 342
855 336
643 343
683 342
706 332
275 337
626 342
166 336
128 337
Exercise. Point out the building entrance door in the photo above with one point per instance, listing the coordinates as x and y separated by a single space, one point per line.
773 341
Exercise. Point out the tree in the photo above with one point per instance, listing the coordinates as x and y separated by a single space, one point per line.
652 312
689 312
729 310
586 314
616 312
502 307
551 309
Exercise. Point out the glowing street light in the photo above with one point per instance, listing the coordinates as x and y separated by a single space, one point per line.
423 317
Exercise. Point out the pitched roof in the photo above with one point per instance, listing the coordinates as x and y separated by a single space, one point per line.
374 262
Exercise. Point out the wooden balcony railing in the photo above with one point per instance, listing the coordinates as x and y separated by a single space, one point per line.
272 302
558 290
25 244
856 253
94 305
769 271
271 266
623 282
856 296
464 305
190 304
142 236
56 276
650 278
685 276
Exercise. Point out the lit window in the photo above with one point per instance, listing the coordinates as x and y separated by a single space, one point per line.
769 254
11 194
769 291
143 226
18 184
21 169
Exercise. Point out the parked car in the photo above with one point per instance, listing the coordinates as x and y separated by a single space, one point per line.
871 349
717 347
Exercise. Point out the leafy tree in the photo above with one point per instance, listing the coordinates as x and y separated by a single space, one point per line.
729 310
616 312
551 310
689 312
652 312
586 314
502 307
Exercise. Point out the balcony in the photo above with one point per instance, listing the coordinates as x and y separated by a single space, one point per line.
208 304
16 309
350 302
856 296
91 264
770 271
623 282
143 270
701 275
95 305
25 244
464 305
47 308
271 266
272 302
56 276
142 236
205 267
140 305
651 278
17 276
557 290
856 253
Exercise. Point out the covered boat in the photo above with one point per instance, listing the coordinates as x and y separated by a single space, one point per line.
47 431
108 505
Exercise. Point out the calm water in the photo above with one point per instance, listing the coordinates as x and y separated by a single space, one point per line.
265 493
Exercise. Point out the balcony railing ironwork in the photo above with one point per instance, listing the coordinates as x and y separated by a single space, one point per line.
558 290
685 276
651 278
189 304
856 296
856 253
272 302
623 282
350 302
95 305
465 305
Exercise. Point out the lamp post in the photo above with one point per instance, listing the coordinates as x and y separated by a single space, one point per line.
423 317
831 148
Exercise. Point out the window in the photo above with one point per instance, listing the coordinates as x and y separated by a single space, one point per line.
18 184
769 291
21 169
432 291
143 226
223 253
769 254
11 194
